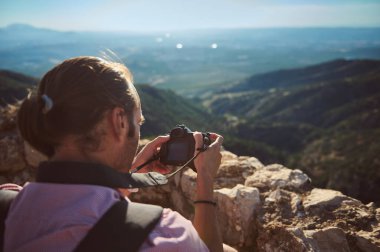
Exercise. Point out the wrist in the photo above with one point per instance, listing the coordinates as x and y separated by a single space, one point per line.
205 192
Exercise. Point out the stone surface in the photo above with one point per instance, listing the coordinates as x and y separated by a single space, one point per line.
11 156
8 118
278 238
364 242
277 176
328 239
327 198
32 156
235 170
188 184
236 211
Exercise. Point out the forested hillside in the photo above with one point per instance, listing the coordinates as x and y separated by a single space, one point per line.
14 86
324 119
164 109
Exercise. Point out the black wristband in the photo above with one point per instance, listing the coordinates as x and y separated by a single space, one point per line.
205 202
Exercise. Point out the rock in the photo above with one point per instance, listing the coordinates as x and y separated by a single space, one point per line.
11 156
286 204
181 204
153 195
8 118
278 238
277 176
236 210
322 198
364 242
328 239
32 156
227 155
188 184
234 170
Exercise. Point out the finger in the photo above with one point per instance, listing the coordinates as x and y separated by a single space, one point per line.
217 142
213 136
161 139
198 137
158 141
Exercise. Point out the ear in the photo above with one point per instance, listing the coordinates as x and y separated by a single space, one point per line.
118 123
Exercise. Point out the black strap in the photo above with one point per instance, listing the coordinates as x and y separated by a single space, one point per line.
70 172
124 227
6 198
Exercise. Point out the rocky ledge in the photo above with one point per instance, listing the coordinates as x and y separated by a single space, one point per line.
260 208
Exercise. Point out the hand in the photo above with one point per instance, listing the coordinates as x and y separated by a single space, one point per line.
146 153
207 164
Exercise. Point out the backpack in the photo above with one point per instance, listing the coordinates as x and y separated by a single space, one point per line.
124 227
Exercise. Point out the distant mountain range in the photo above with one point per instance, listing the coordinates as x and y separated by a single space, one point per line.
206 59
323 119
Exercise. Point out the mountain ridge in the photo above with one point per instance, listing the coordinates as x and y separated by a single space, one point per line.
324 125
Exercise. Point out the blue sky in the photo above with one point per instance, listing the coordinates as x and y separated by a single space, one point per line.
154 15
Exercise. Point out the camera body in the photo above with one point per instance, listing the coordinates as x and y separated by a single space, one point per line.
180 147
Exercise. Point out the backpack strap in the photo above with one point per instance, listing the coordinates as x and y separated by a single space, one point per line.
124 227
6 198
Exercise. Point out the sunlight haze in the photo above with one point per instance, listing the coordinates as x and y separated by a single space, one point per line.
150 15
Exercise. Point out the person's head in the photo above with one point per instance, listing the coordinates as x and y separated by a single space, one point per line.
84 104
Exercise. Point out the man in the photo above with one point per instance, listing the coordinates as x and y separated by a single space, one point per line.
86 116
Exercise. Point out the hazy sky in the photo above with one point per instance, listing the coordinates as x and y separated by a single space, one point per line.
147 15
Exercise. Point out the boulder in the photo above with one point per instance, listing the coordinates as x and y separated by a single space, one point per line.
11 155
235 170
277 176
236 211
323 198
285 204
188 183
8 118
363 241
279 238
32 156
327 239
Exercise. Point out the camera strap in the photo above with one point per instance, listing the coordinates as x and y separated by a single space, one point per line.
155 157
169 175
200 150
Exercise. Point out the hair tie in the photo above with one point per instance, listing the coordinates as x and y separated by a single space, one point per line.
48 103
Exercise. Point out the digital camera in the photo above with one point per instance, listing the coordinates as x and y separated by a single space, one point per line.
180 147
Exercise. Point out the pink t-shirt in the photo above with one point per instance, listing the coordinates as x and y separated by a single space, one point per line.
56 217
